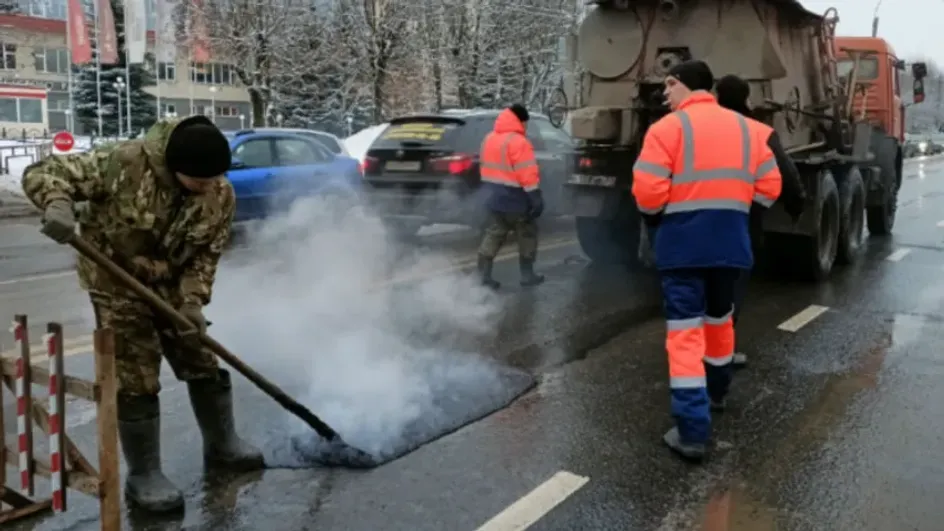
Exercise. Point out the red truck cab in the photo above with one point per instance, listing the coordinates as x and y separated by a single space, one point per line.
878 80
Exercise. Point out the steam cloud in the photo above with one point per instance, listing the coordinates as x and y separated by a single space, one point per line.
303 298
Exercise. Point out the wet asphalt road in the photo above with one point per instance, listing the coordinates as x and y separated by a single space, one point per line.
831 427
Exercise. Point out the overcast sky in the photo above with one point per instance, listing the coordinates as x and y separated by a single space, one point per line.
913 27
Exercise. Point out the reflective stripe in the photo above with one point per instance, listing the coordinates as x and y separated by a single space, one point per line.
689 174
687 382
650 167
503 153
650 210
523 165
719 361
684 324
509 184
707 204
720 320
763 200
766 167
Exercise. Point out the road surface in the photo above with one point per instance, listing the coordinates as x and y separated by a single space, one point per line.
832 426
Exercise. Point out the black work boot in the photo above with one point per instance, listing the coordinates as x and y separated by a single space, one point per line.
139 429
691 451
528 276
212 402
485 273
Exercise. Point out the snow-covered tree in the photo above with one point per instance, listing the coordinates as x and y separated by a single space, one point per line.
86 87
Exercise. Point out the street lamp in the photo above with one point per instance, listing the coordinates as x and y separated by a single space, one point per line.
119 86
242 121
213 90
350 125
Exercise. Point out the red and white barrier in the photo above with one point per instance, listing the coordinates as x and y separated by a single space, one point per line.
57 463
23 424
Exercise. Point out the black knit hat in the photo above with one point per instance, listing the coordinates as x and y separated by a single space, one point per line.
694 74
197 148
520 112
733 93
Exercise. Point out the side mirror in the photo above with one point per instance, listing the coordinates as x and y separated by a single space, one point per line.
236 164
900 64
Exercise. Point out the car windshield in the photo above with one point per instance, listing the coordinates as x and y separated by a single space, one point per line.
868 68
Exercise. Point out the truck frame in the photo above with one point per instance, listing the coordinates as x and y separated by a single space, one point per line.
849 156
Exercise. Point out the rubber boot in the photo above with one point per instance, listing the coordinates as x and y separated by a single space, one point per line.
139 429
691 451
212 402
528 276
485 272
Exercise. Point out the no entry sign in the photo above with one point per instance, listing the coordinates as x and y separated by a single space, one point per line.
63 141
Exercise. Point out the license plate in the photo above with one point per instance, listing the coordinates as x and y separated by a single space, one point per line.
403 165
592 180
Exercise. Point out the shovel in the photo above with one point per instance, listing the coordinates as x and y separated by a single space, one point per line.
353 457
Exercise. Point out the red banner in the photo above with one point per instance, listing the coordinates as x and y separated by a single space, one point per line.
79 44
108 39
199 48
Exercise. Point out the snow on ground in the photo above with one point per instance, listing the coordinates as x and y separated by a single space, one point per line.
358 143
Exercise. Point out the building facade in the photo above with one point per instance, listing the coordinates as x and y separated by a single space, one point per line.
34 53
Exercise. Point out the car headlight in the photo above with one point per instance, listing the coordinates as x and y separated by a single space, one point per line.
923 146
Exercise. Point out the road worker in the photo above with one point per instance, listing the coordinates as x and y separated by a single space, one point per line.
161 207
698 172
510 172
734 93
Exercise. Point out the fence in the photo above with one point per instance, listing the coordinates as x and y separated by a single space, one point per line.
67 469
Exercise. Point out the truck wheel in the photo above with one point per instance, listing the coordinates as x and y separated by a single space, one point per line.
881 217
851 217
817 253
611 241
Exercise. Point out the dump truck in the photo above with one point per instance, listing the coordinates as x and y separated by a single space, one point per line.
844 129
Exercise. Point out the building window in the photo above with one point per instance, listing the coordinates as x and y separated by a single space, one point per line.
54 9
21 110
212 74
227 110
166 71
7 56
52 60
168 109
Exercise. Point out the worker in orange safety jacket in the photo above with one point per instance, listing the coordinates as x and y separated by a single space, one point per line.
509 173
700 169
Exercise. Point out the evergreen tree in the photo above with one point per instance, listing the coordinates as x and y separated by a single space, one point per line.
86 83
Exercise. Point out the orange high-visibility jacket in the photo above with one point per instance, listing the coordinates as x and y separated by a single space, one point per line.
508 165
701 167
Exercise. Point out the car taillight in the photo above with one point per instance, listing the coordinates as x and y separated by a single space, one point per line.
585 162
370 165
453 164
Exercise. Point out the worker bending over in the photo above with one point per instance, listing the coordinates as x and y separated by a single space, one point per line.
734 93
161 207
510 173
699 170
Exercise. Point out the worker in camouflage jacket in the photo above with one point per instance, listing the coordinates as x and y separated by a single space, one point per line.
162 208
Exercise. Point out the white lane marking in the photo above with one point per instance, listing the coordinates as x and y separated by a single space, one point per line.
940 223
533 506
802 318
898 255
36 278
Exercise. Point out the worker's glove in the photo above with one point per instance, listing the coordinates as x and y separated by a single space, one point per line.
59 221
148 270
194 314
536 201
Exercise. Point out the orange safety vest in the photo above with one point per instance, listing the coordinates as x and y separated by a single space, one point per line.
719 167
507 156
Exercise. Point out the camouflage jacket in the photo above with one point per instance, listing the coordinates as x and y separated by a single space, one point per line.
136 211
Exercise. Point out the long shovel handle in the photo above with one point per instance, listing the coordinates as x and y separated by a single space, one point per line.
169 312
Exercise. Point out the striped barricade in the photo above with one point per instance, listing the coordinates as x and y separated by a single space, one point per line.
66 469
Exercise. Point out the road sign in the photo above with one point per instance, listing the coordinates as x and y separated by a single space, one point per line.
63 141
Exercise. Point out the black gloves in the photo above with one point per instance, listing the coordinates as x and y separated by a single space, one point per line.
537 204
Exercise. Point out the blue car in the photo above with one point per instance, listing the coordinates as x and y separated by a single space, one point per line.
272 168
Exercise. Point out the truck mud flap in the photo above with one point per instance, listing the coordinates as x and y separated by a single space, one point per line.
462 389
591 202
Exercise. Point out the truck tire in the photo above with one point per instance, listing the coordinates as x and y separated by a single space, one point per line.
881 216
816 254
612 241
851 217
